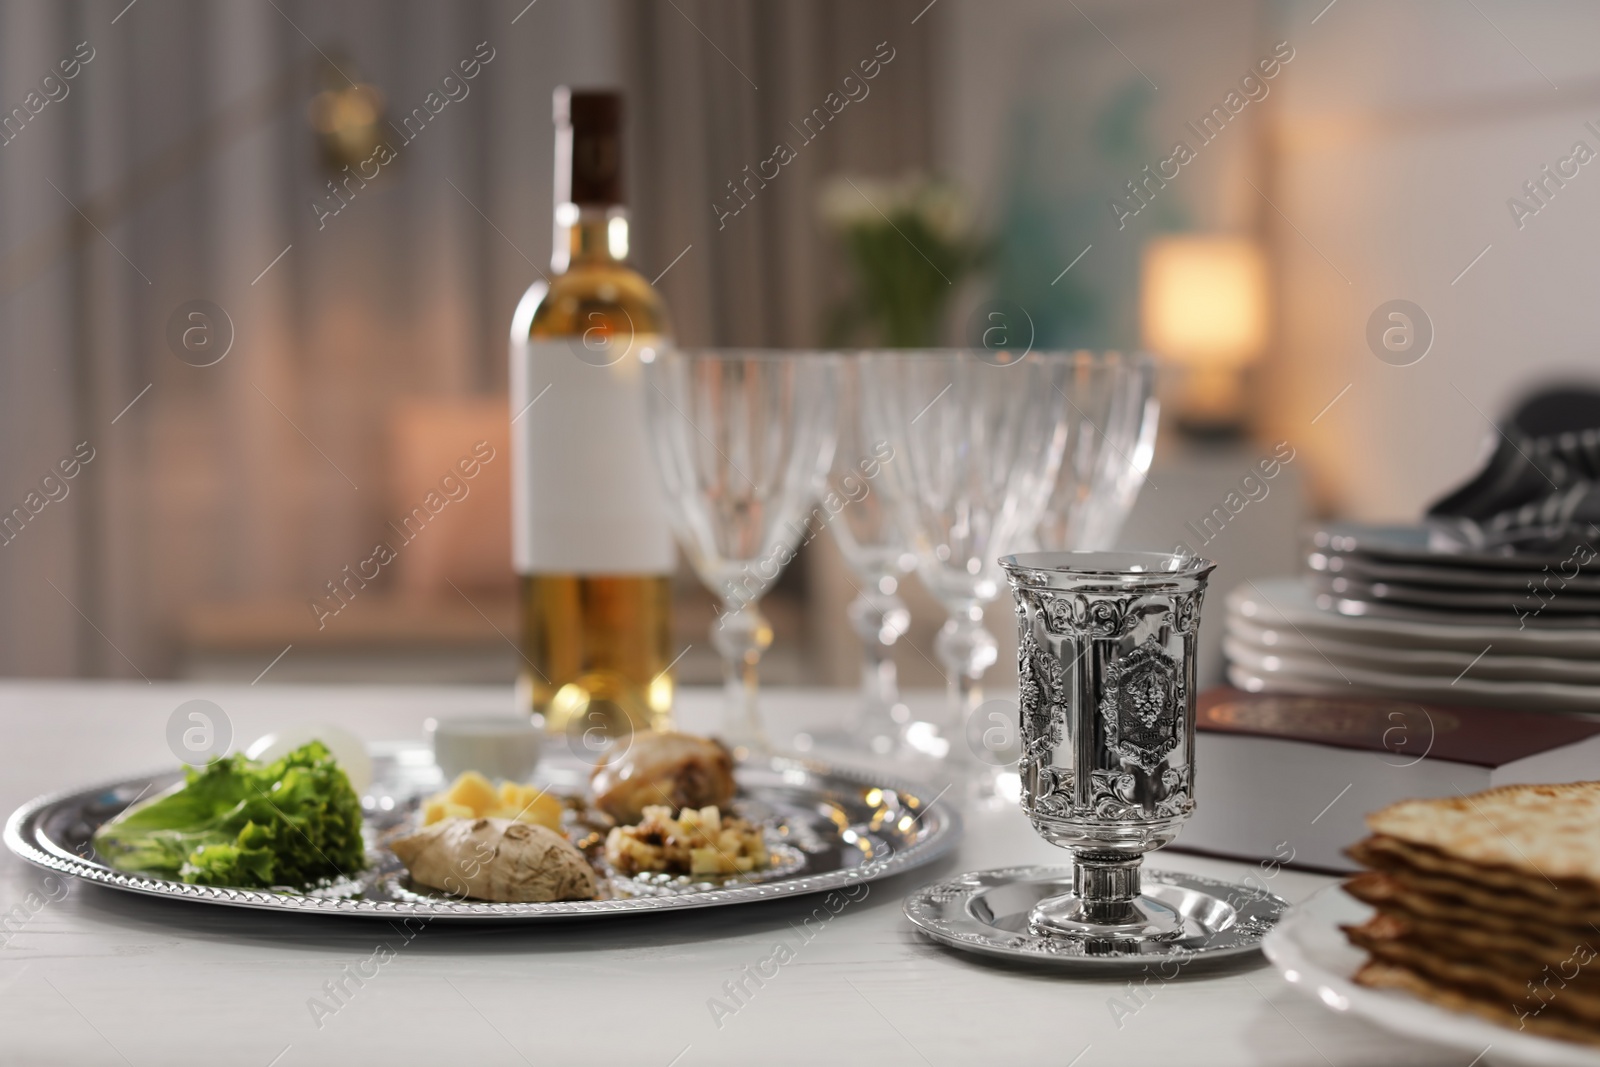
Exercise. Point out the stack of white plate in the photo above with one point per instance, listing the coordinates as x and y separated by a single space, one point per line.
1427 574
1287 635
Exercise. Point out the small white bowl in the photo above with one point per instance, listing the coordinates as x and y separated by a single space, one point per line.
348 750
496 746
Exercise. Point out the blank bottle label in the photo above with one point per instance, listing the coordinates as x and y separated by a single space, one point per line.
586 497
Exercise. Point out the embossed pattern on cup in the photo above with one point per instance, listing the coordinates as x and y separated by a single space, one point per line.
1106 659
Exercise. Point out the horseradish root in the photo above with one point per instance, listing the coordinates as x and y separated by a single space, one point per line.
497 860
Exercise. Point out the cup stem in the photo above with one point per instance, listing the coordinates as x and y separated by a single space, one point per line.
1106 886
740 636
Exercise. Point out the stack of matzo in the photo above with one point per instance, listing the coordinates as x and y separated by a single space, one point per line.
1489 904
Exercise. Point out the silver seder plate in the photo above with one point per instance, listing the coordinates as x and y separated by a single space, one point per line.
827 827
987 912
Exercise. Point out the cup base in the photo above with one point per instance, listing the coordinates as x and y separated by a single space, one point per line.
991 912
1142 919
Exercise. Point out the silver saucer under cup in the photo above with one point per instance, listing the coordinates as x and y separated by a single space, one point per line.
1106 670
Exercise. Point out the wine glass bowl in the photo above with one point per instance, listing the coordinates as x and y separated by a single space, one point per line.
741 438
977 444
1112 417
877 555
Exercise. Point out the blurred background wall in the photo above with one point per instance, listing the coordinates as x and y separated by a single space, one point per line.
367 345
185 167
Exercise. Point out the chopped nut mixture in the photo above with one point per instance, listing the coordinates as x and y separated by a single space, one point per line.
696 842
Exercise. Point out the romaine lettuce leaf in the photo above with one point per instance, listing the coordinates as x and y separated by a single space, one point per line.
293 822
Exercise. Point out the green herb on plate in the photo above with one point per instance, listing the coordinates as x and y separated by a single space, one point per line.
293 822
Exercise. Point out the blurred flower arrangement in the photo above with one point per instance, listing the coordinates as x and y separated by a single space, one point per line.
910 242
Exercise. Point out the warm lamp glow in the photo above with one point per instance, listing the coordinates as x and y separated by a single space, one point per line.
1204 300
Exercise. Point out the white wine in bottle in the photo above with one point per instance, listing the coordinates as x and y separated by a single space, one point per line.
592 547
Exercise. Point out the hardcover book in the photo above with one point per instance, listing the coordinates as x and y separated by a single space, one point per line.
1281 775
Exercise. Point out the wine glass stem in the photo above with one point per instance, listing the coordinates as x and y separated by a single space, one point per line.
879 620
880 683
967 650
740 636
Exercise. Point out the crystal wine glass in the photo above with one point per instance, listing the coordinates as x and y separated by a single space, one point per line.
1112 413
977 445
879 557
741 439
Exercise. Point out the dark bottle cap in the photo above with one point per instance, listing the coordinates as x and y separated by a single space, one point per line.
590 122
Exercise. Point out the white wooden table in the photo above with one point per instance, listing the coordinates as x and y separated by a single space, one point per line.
96 976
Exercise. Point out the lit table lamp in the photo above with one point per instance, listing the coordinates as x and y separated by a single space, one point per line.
1203 307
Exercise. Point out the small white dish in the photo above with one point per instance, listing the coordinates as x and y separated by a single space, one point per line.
496 746
1311 952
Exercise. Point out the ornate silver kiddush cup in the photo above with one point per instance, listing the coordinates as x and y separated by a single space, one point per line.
1106 659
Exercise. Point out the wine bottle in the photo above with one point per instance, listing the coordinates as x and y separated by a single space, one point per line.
592 547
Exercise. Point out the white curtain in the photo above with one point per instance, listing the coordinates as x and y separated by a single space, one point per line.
716 85
183 165
180 166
